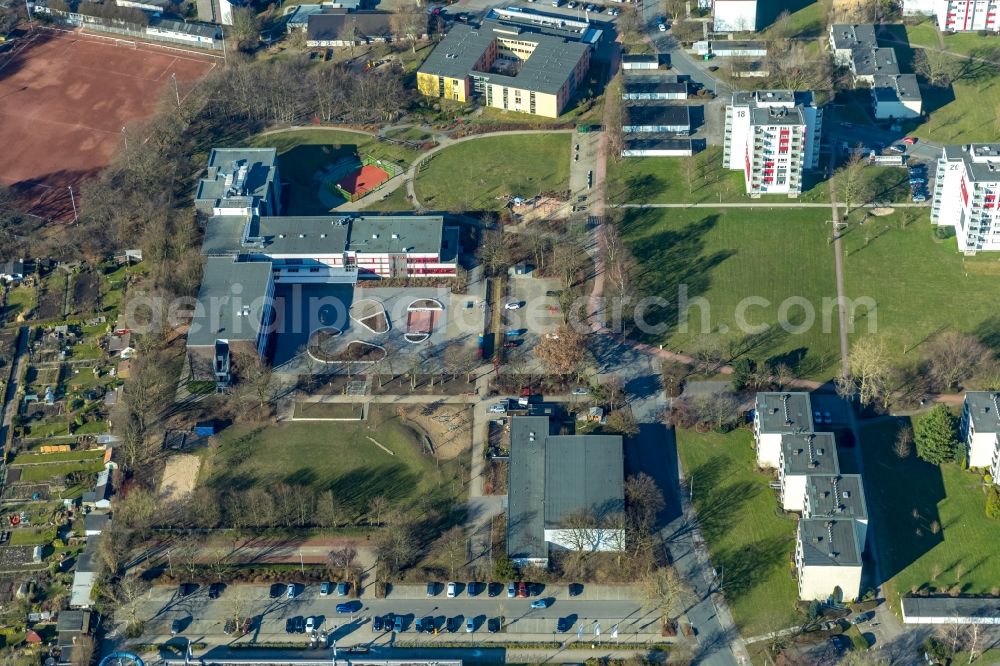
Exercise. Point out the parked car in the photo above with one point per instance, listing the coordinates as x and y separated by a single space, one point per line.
470 625
300 624
290 591
419 625
662 27
215 590
513 305
898 148
511 590
909 140
452 590
342 588
453 624
522 590
581 391
575 589
540 603
277 589
346 607
571 4
377 623
230 626
432 587
186 589
289 625
552 293
397 624
494 589
472 588
563 625
175 627
493 625
324 588
310 624
498 408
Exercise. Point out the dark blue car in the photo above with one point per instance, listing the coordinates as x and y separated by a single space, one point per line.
347 607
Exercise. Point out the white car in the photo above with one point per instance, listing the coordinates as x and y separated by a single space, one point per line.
498 408
513 305
310 624
452 589
551 336
662 27
581 391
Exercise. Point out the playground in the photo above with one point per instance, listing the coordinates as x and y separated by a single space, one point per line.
351 178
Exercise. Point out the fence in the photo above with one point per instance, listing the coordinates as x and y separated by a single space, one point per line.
391 169
157 32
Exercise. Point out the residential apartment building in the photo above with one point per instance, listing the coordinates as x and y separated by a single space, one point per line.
958 15
772 136
967 195
981 431
804 455
554 477
653 87
838 496
508 65
827 559
776 415
895 94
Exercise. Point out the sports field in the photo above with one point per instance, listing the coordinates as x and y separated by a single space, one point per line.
66 98
364 180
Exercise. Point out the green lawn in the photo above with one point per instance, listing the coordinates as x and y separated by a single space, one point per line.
744 528
32 536
327 410
396 201
302 153
727 255
58 470
339 458
20 300
894 264
925 34
58 456
472 175
905 498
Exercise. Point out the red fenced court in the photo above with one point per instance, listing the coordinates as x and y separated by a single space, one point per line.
369 177
64 99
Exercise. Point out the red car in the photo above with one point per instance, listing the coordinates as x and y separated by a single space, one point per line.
909 140
522 590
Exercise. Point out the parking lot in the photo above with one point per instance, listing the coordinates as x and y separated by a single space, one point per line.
537 312
276 617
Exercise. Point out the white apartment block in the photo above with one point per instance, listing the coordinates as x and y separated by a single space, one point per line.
839 497
776 415
828 560
981 431
958 15
772 136
896 96
734 16
967 195
802 456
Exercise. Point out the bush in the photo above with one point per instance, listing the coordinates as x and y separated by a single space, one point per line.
504 570
936 436
993 503
943 233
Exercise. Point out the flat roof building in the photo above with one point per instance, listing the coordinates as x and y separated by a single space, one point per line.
802 455
509 66
772 136
967 195
839 496
950 610
655 118
774 416
333 28
555 477
981 431
896 96
666 146
828 559
653 87
240 181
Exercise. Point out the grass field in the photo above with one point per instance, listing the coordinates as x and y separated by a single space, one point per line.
472 175
57 470
925 35
905 498
58 456
702 179
728 255
337 458
744 528
301 153
333 410
892 267
396 201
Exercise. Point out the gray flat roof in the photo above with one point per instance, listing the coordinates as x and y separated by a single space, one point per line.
836 496
641 57
784 412
829 542
550 476
809 453
548 67
322 234
658 114
982 160
853 36
330 26
205 30
662 143
777 116
220 312
916 608
890 87
984 410
869 62
736 45
653 84
260 173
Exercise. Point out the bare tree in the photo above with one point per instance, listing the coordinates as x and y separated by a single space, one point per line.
870 368
619 268
563 352
622 421
665 591
495 252
937 67
128 596
850 182
614 116
83 651
256 382
450 550
409 23
377 508
904 442
953 357
644 500
245 29
578 530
